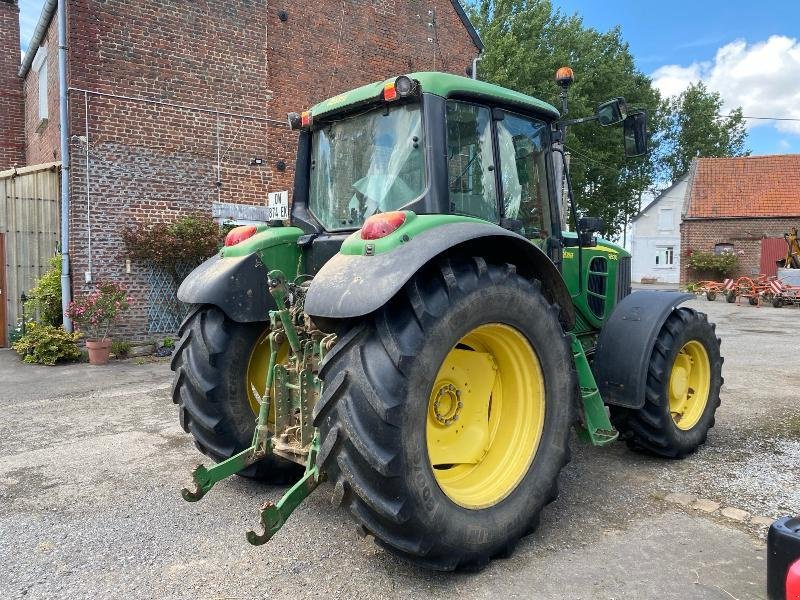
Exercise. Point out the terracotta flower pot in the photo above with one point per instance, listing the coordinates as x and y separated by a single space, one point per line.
98 351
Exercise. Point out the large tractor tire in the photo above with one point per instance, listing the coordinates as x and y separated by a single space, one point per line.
682 395
446 414
215 362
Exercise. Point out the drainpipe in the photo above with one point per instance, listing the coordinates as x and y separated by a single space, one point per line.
66 292
475 65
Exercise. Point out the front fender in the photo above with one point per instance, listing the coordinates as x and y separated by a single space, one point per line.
625 345
351 285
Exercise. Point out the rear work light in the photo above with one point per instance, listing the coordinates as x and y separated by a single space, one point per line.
402 86
239 234
382 224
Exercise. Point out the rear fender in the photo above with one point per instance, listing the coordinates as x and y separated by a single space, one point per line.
352 285
235 280
626 343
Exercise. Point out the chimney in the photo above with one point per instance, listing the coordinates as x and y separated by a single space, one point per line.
12 119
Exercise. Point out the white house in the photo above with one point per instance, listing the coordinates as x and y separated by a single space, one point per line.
655 236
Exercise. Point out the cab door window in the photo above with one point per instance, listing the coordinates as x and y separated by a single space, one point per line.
521 145
470 161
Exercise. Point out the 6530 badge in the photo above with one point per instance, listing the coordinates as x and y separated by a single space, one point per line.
278 206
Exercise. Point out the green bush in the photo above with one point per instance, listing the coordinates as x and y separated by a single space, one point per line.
46 345
724 263
120 348
15 333
168 343
45 297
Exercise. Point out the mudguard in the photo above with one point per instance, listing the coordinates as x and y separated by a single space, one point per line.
237 285
626 343
349 286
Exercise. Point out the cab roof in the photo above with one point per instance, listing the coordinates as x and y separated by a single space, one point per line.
446 85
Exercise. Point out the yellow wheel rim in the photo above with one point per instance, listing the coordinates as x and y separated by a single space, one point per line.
689 385
485 416
256 374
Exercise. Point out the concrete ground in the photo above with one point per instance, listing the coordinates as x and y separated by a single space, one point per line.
92 460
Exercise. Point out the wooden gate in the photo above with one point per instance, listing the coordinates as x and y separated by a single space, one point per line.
772 250
29 224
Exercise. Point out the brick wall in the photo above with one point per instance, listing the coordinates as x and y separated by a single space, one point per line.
42 137
744 234
152 162
12 136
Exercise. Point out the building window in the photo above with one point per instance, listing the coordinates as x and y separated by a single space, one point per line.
723 248
665 222
40 66
665 256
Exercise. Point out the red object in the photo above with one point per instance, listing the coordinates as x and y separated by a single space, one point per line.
793 581
382 224
564 76
389 91
239 234
772 250
305 118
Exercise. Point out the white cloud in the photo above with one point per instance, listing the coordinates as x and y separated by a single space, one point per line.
762 78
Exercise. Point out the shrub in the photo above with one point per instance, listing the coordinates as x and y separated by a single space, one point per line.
724 263
47 344
16 333
45 297
187 241
97 311
168 342
121 349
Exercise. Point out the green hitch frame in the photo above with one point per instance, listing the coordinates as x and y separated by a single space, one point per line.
272 516
596 427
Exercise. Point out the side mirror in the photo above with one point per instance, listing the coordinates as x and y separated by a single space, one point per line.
635 134
612 112
587 227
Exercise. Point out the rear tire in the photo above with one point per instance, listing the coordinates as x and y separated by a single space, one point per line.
654 428
711 296
753 300
730 297
375 408
777 302
210 388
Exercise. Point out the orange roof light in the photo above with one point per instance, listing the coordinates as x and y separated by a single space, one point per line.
565 77
389 92
305 118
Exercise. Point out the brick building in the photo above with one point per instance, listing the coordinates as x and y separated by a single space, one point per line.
170 102
744 205
12 131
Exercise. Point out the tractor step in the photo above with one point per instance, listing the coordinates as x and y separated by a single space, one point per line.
596 427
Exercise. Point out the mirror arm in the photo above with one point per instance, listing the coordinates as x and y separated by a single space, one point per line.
581 120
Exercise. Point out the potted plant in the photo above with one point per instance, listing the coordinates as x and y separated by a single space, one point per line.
95 313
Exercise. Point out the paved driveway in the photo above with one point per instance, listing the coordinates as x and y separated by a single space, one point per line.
92 460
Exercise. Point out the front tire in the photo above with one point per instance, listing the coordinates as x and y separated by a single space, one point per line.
682 394
214 363
390 395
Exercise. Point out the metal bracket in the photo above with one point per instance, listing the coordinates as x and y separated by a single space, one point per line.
274 516
596 427
204 479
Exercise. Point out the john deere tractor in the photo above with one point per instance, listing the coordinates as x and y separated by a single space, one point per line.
423 334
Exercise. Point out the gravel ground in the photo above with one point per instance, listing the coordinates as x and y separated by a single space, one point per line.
92 460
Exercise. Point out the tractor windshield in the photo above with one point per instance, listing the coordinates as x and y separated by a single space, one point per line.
369 163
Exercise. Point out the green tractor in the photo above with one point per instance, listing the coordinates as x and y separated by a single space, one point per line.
424 335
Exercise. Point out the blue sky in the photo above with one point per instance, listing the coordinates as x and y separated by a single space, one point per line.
748 51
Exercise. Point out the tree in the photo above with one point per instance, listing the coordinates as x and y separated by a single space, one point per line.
694 128
525 42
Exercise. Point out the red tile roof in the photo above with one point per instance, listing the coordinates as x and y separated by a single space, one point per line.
752 186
